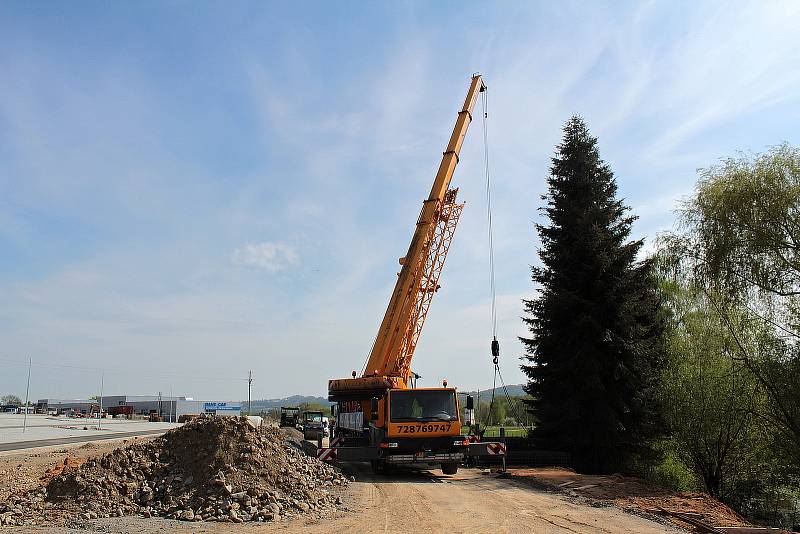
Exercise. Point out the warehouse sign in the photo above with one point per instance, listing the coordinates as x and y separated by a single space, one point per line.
221 407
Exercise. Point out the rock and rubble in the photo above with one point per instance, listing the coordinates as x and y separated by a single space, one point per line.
211 469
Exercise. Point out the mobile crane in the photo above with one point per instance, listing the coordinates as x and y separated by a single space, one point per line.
381 416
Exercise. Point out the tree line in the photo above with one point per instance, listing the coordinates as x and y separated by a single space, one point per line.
683 364
500 411
10 400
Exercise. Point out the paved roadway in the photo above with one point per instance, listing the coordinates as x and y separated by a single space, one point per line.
45 431
17 445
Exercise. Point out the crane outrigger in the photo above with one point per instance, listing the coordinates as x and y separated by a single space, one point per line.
380 415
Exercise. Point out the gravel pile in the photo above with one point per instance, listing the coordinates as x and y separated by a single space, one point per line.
212 469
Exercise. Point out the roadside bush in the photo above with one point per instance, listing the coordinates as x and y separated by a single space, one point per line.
670 472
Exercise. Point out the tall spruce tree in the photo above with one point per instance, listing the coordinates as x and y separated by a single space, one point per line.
596 345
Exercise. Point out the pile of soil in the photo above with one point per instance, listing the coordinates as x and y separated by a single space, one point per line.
68 463
213 469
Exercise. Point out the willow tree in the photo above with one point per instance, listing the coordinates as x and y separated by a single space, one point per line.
709 396
741 241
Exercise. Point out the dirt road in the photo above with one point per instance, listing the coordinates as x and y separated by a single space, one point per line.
423 502
472 502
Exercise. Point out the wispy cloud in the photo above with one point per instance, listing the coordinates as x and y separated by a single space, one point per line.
147 192
272 256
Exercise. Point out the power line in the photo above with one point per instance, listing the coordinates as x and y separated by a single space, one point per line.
249 383
27 393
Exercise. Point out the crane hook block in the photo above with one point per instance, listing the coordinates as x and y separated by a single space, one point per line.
495 348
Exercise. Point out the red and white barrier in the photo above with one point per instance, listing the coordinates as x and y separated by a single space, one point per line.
326 454
496 449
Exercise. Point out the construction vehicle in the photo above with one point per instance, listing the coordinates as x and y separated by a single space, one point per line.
313 427
381 416
289 416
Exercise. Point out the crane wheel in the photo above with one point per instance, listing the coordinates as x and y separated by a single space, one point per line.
450 468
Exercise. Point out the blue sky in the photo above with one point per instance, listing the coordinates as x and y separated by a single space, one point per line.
192 190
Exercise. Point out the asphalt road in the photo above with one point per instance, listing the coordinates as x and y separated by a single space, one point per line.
17 445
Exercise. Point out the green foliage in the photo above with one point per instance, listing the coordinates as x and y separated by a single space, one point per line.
489 413
314 407
503 411
745 221
595 349
741 245
710 396
11 399
731 278
669 471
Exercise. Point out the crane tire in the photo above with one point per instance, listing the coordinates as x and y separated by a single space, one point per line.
450 468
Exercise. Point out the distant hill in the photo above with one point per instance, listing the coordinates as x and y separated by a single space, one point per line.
294 400
513 391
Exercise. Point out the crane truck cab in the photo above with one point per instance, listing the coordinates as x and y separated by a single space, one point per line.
418 427
423 427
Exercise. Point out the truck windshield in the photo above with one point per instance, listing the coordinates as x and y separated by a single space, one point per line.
422 405
314 417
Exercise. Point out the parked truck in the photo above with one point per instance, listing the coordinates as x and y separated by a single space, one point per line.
313 425
289 416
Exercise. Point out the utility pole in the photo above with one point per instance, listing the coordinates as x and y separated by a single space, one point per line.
477 414
249 382
100 400
27 391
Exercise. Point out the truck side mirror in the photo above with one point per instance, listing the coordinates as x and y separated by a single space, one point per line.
333 410
470 402
374 407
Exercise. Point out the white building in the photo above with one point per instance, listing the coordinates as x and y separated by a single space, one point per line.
170 408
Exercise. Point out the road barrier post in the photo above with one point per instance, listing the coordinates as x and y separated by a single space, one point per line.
503 440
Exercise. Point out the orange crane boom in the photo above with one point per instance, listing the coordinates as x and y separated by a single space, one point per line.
379 418
418 278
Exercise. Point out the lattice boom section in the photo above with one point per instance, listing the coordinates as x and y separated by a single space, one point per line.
437 245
